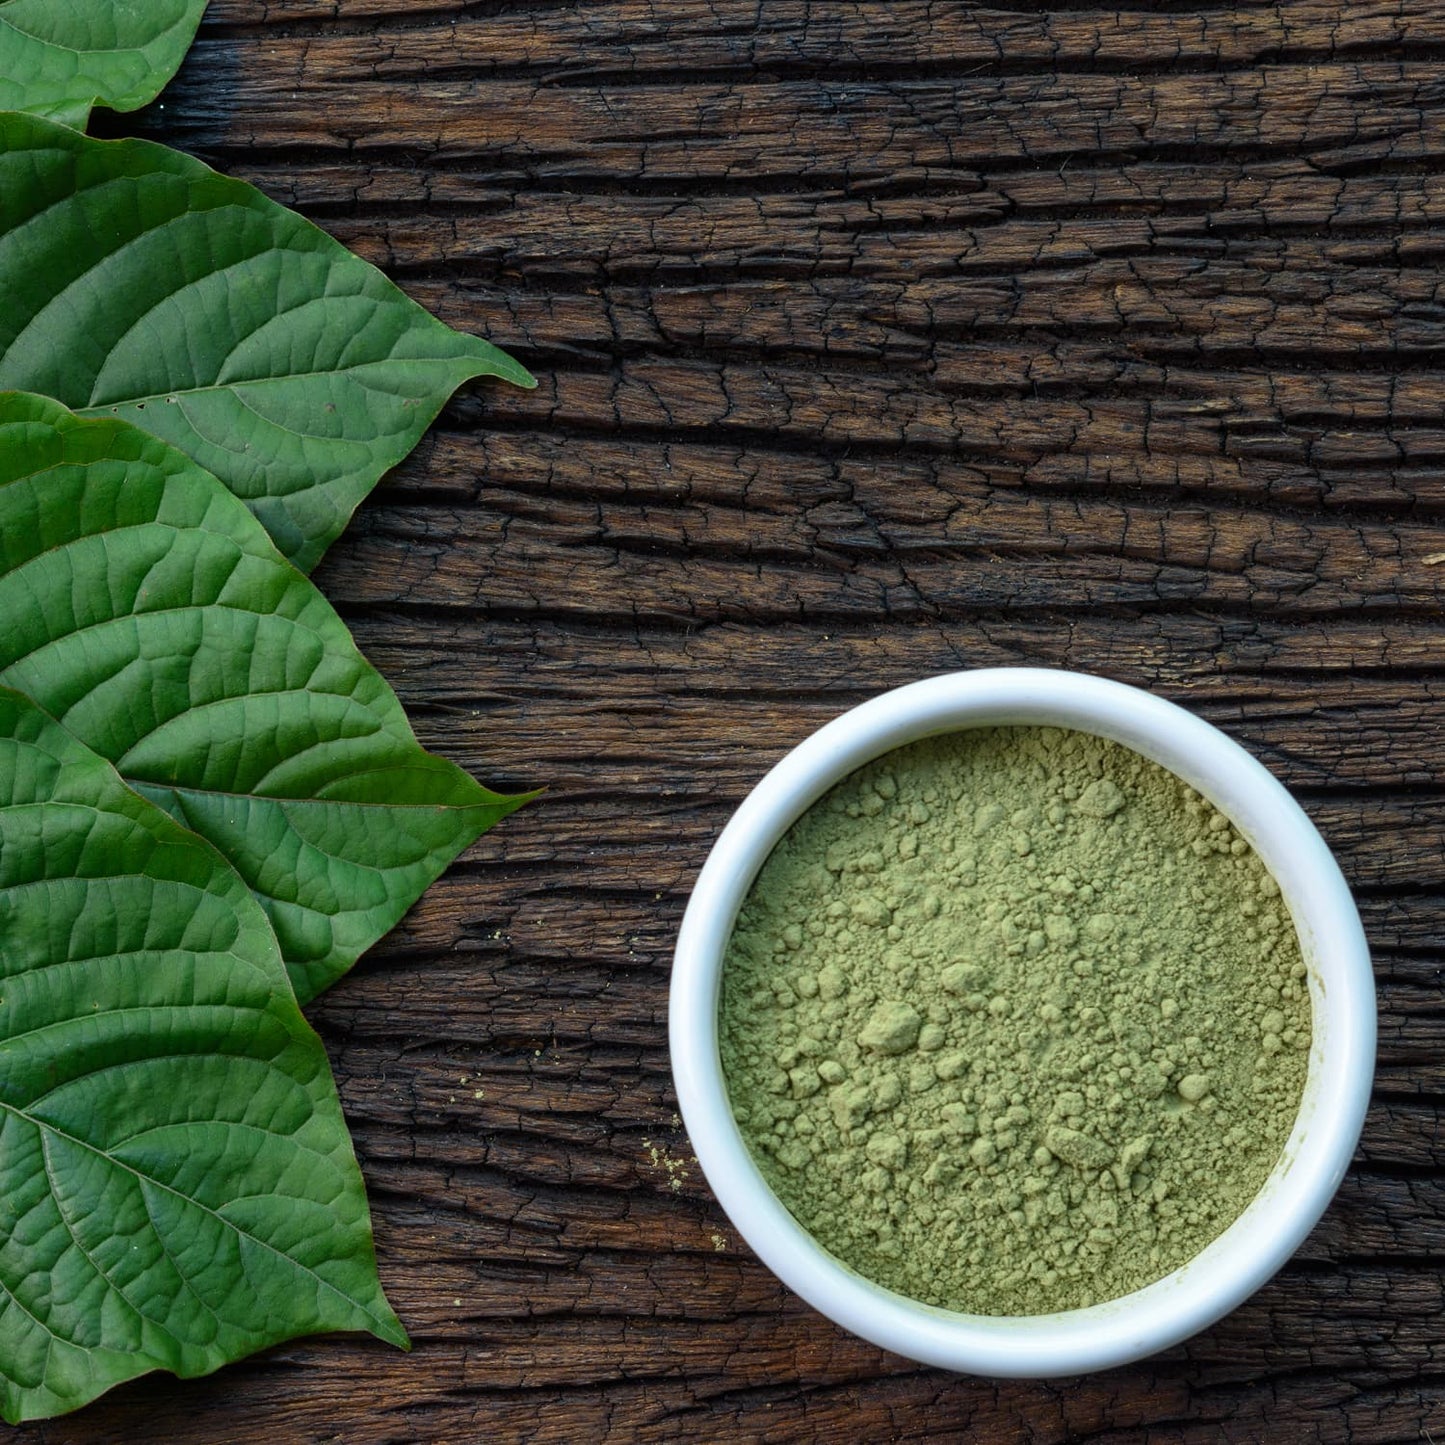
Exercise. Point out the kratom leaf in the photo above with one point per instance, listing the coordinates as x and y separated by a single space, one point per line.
177 1187
138 283
61 57
145 608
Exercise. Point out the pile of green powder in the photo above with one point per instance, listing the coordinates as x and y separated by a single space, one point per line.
1013 1021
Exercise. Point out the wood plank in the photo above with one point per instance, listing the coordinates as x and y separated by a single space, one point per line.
655 708
851 541
627 233
765 134
342 42
1272 414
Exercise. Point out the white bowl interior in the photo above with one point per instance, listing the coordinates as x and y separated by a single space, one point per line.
1341 1061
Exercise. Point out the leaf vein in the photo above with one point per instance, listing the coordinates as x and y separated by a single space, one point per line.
221 1219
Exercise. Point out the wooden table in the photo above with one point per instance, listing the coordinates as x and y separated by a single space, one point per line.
876 339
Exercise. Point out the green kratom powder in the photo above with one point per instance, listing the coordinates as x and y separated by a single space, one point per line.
1013 1021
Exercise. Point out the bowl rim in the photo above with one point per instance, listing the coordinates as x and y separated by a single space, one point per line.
1341 1066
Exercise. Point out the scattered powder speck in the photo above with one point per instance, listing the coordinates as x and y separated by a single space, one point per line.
675 1169
1013 1021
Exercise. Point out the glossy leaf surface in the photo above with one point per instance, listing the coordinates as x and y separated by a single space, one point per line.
177 1187
59 58
146 609
140 284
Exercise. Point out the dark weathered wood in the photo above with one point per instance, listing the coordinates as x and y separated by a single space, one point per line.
819 130
875 339
639 38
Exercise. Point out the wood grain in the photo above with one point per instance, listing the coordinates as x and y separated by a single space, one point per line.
875 340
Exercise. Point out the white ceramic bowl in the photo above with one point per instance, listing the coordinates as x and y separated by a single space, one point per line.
1342 1053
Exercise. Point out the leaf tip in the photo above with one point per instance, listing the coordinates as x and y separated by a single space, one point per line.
389 1328
508 368
513 801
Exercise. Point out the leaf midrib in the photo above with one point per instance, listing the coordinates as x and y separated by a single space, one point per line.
137 50
303 628
30 35
175 1055
275 246
385 727
139 1174
313 802
100 408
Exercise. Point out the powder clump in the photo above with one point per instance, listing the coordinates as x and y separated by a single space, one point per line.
1013 1021
892 1028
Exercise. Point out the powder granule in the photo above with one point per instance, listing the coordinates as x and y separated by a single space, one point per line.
1013 1021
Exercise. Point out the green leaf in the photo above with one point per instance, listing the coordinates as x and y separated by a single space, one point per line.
61 57
177 1187
145 608
140 284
